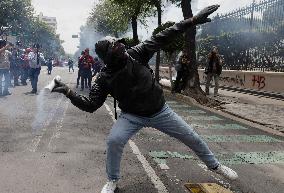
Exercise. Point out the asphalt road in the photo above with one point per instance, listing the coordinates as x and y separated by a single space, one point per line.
49 146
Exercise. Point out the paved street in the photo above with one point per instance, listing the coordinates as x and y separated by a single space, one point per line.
50 146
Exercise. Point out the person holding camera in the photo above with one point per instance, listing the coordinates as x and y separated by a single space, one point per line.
129 79
5 56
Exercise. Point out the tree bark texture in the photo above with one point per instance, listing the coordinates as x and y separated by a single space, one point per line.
134 29
158 56
193 88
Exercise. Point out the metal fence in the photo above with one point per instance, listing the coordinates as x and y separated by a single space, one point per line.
249 38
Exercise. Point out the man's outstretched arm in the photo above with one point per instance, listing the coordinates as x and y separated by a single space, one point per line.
89 104
147 48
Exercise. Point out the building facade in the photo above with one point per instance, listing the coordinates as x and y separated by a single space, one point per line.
50 21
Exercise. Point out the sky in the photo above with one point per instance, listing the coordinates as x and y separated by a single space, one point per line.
73 14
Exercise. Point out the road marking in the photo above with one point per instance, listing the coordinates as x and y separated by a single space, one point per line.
201 118
147 167
179 106
240 138
272 157
58 127
237 158
37 138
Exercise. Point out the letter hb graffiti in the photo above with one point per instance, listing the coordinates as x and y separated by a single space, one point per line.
258 81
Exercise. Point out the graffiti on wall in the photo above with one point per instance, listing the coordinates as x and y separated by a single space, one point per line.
238 80
258 81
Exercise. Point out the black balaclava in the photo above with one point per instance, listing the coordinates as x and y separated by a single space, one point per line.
113 58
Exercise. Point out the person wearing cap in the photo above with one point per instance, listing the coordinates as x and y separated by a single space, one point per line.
129 79
5 56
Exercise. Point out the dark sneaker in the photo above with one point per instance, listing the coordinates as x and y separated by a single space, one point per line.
34 91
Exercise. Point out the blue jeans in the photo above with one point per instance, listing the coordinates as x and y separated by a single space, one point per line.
166 121
4 73
34 73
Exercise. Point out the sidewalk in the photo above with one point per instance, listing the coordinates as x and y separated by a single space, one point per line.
258 109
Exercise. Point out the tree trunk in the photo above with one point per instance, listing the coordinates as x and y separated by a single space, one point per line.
158 56
193 88
134 29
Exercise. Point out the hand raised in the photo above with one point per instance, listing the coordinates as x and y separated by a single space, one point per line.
202 16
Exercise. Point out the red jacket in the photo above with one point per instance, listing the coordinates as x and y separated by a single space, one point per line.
86 61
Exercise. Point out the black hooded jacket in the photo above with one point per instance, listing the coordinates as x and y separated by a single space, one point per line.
133 86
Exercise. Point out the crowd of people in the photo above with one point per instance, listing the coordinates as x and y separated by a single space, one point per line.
88 68
17 65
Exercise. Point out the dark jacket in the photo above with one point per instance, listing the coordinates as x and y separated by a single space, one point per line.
209 67
133 86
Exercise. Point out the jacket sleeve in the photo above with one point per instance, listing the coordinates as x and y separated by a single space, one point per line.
96 99
145 50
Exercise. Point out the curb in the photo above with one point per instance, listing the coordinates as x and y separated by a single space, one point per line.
229 115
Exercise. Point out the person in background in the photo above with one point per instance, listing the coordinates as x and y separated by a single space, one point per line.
181 68
49 66
5 56
213 70
128 78
71 64
35 61
96 67
15 65
79 69
86 69
25 67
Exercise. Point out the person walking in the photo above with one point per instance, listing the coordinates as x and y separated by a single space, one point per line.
213 70
49 66
129 79
35 61
5 56
71 64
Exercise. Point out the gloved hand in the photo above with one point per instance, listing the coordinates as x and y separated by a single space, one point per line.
61 87
202 16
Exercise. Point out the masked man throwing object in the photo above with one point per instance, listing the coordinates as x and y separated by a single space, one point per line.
129 79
